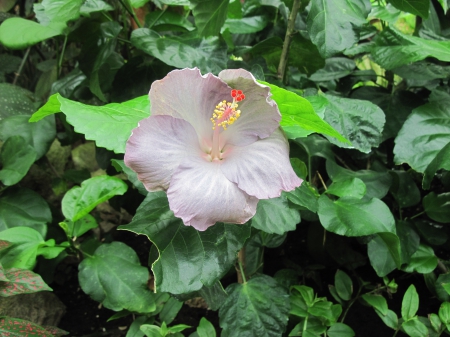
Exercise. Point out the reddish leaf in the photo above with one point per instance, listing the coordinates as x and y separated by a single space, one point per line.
14 327
4 244
22 281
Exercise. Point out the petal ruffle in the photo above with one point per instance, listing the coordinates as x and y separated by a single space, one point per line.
188 95
261 169
157 147
200 195
259 114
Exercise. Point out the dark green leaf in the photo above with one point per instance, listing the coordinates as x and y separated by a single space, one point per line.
246 25
79 227
343 284
80 200
437 206
422 71
354 217
275 216
114 277
441 161
132 176
340 330
433 233
404 189
361 122
208 54
16 158
15 100
183 268
165 20
214 295
409 240
384 253
170 310
209 15
377 302
316 146
257 307
423 261
333 25
335 68
416 7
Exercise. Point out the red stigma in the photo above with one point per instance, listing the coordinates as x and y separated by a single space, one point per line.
237 95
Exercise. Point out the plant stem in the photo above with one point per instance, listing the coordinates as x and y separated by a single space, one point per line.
287 40
241 262
157 18
61 56
418 214
351 303
132 13
17 74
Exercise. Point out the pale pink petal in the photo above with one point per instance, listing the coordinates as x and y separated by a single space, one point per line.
188 95
259 113
261 169
157 147
201 195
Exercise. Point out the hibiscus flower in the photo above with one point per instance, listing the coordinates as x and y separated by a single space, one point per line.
213 144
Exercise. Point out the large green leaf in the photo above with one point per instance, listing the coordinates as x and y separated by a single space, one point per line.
333 25
384 253
80 200
209 15
441 161
18 33
109 125
416 7
16 158
181 267
425 133
393 49
305 196
15 100
361 122
51 11
355 217
114 277
246 25
437 206
335 68
297 115
23 207
208 54
275 216
258 307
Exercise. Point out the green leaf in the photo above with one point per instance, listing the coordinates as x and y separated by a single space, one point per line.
410 303
152 330
335 68
416 7
100 122
384 253
393 49
132 176
377 183
182 268
404 189
444 313
24 208
16 158
247 25
79 227
432 232
378 302
390 319
298 113
209 15
205 328
15 100
275 216
91 6
415 328
305 196
170 310
214 295
52 11
340 330
425 133
80 200
21 281
440 161
18 33
423 261
258 307
361 122
344 285
435 322
437 206
354 217
409 240
164 21
208 54
350 187
114 277
333 25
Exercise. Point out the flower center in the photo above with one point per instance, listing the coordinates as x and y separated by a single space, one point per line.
223 116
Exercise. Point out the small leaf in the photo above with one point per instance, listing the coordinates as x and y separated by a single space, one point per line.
410 303
114 277
444 313
257 307
305 196
205 328
378 302
441 161
422 261
22 281
351 187
437 206
415 328
170 310
340 330
435 322
384 253
416 7
16 158
390 319
344 285
79 201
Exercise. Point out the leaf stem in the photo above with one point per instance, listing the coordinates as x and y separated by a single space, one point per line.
131 12
158 17
61 56
241 262
17 74
287 40
417 215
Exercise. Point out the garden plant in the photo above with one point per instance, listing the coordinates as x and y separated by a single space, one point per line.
243 168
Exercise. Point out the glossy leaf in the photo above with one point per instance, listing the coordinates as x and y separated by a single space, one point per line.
182 268
425 133
422 261
335 68
15 100
377 302
16 158
440 161
21 281
305 196
354 217
208 54
340 330
393 49
416 7
297 113
343 284
275 216
437 206
18 33
257 307
350 187
52 11
23 207
132 176
80 200
246 25
444 313
79 227
361 122
410 303
415 328
99 122
114 277
332 25
384 253
209 15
